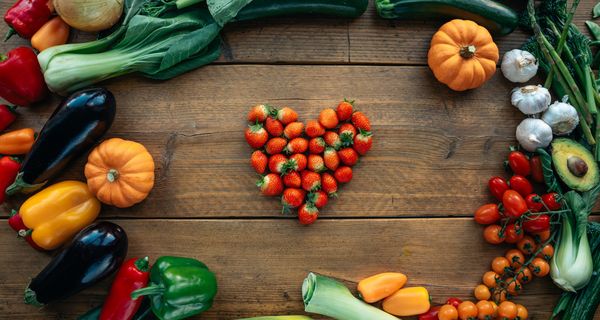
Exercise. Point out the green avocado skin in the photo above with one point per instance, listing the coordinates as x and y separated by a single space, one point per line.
562 150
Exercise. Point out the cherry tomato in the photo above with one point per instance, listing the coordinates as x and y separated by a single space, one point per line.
499 295
513 233
522 312
485 310
514 204
515 257
487 214
500 265
537 173
495 306
535 224
534 203
432 314
551 201
454 301
527 245
514 287
525 276
482 292
539 267
493 234
547 252
519 163
507 310
542 236
521 185
498 186
490 279
467 310
448 312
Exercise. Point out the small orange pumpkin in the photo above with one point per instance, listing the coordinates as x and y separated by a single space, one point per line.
120 172
462 55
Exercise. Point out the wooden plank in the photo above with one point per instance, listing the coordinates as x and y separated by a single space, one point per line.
262 275
432 146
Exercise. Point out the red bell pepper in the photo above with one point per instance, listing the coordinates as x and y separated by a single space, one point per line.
26 17
9 167
16 223
132 275
7 116
21 78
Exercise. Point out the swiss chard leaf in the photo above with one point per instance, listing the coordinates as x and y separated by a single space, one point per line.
225 10
549 177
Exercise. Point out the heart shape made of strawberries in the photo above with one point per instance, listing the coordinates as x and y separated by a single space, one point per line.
304 163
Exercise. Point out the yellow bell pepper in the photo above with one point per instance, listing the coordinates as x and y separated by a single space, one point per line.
407 302
55 214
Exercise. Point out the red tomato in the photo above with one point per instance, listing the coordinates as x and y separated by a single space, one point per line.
487 214
551 201
537 224
454 301
514 204
432 314
534 203
519 163
497 187
537 173
521 185
513 234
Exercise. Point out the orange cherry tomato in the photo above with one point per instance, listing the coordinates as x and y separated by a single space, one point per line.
487 214
467 310
513 233
515 257
525 276
547 252
500 264
485 310
482 292
522 312
448 312
493 234
495 307
507 310
499 295
514 287
527 245
490 279
539 267
541 237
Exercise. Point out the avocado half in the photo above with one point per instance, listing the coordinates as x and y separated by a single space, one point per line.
574 164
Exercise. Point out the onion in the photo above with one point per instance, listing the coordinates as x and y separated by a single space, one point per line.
89 15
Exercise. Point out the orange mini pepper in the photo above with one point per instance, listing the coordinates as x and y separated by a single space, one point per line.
17 142
407 302
55 214
380 286
55 32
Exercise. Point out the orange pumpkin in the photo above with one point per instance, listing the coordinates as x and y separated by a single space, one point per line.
462 55
120 172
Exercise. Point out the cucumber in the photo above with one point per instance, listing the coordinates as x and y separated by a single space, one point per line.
269 8
497 18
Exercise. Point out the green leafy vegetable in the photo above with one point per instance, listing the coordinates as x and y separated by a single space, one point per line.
225 10
549 177
594 29
596 11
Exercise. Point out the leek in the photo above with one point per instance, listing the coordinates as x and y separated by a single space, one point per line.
328 297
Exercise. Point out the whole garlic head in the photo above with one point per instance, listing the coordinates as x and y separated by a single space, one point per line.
519 66
533 134
531 99
561 117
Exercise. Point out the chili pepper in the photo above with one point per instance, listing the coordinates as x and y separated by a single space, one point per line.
26 17
21 78
7 116
55 32
143 313
17 142
179 288
133 275
16 223
9 167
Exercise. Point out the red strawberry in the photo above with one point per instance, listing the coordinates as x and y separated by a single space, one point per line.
270 185
258 113
343 174
259 161
331 158
344 110
318 199
316 163
275 145
329 184
277 163
314 129
292 198
297 162
308 214
256 136
363 142
286 115
348 156
361 121
293 130
316 145
347 133
274 127
292 179
332 139
328 118
311 181
297 145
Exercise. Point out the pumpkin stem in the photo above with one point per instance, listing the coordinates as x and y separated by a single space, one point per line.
467 51
112 175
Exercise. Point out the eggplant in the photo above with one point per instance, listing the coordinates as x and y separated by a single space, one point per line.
94 254
74 128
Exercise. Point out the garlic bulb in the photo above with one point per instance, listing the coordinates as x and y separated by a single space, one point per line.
519 66
533 134
561 117
531 99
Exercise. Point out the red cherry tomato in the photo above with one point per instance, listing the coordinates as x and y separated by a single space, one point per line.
497 187
432 314
534 203
487 214
514 204
537 173
551 201
537 224
454 302
521 185
513 234
519 163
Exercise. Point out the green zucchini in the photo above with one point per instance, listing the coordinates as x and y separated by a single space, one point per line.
497 18
270 8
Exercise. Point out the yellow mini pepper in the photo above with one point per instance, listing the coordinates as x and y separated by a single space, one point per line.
407 302
380 286
57 213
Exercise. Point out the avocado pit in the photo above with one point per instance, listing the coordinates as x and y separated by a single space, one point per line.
577 166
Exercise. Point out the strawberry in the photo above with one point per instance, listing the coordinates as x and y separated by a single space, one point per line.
274 127
275 145
293 130
256 136
308 214
348 156
286 115
329 184
343 174
332 139
328 118
277 163
259 161
314 129
361 121
311 181
344 110
331 158
292 179
296 145
316 145
270 185
258 113
316 163
297 162
363 142
318 199
347 132
292 198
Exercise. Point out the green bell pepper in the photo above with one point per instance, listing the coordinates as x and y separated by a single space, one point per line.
179 288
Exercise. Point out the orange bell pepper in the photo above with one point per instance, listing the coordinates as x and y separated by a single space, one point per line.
57 213
17 142
407 302
379 286
55 32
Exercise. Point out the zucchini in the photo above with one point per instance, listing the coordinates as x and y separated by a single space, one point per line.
497 18
270 8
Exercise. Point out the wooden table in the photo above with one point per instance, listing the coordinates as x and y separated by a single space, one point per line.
408 208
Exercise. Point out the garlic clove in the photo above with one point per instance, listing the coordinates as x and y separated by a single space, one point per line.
519 66
531 99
